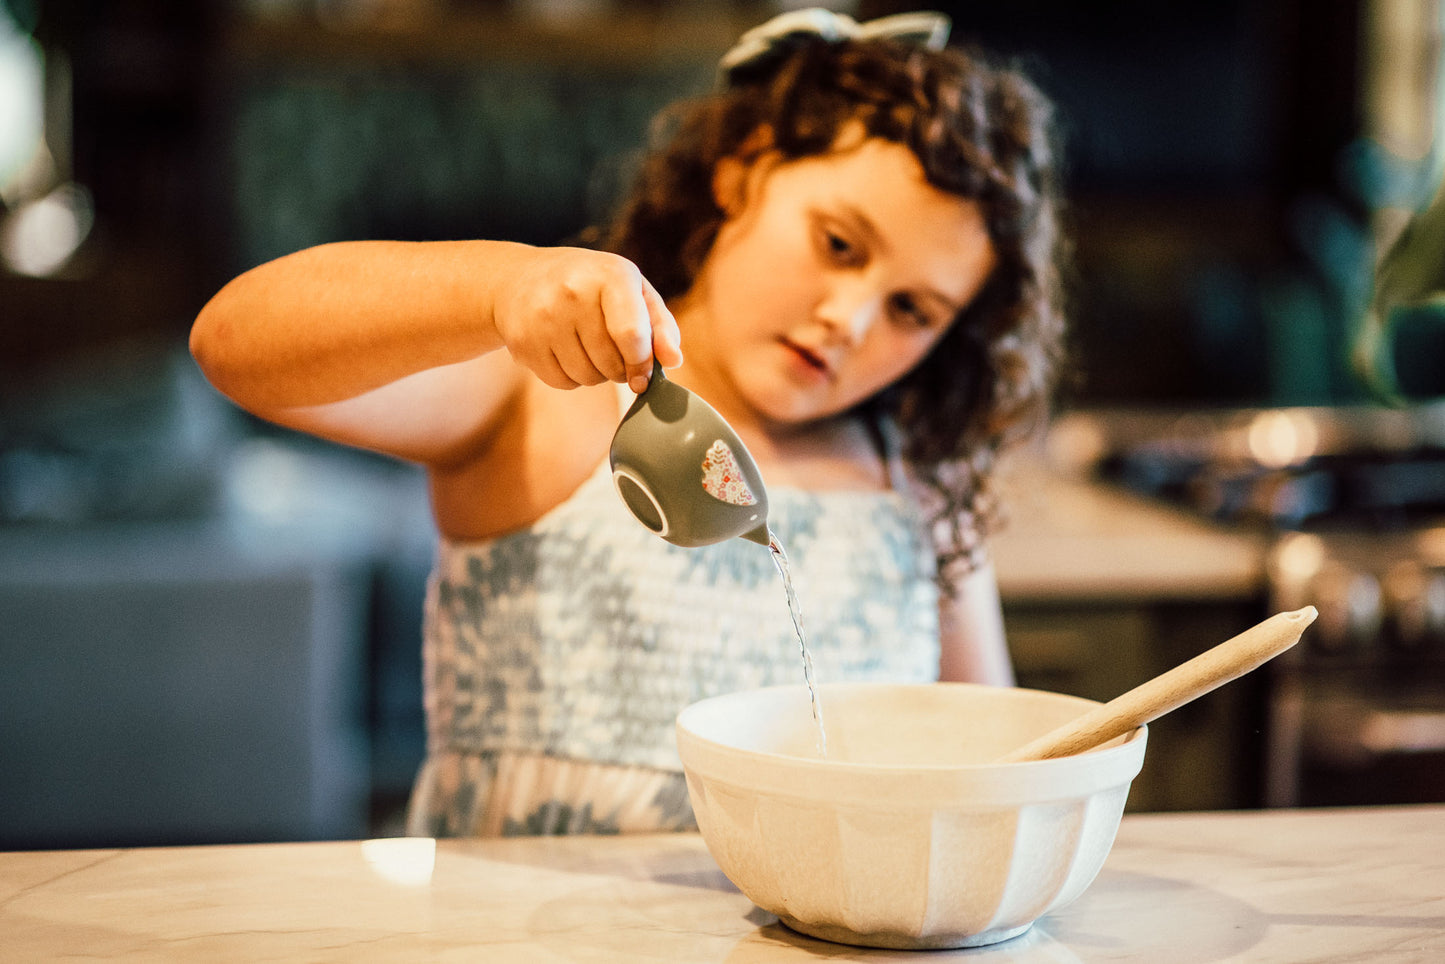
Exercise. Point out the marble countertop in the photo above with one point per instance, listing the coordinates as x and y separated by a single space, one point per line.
1361 884
1066 537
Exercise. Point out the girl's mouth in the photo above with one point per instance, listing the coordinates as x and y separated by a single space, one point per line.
809 358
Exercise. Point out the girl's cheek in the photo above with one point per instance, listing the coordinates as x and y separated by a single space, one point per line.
906 349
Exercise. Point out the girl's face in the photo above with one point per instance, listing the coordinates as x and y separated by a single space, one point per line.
831 277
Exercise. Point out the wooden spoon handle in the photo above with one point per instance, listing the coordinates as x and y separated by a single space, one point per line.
1170 690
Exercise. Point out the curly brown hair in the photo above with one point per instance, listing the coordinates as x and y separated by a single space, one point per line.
982 131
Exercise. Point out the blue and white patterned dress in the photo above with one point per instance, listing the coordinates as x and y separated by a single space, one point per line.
557 657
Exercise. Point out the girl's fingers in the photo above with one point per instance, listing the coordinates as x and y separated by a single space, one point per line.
575 360
602 351
666 337
629 325
586 317
549 370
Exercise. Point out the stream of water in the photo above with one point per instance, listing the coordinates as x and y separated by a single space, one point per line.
780 561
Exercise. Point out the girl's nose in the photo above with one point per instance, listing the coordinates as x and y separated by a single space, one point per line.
850 312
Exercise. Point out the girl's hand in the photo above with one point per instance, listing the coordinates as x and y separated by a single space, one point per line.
579 317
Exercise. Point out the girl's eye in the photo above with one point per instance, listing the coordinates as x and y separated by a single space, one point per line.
905 311
838 248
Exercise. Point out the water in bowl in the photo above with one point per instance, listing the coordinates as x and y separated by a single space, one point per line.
780 560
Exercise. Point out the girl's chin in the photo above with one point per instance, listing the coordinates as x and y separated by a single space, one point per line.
785 405
784 389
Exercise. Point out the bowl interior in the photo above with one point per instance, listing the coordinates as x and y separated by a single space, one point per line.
933 725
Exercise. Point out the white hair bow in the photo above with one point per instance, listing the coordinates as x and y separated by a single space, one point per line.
923 27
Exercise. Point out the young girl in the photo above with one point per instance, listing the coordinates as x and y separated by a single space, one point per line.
854 240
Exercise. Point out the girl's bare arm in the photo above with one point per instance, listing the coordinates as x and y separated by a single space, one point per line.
973 647
394 346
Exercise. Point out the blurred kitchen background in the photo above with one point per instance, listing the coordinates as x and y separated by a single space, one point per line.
209 627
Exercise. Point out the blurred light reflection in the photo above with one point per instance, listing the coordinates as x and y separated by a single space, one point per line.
40 237
1280 438
407 861
1298 557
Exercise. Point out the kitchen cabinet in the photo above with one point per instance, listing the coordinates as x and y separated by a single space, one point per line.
208 679
160 687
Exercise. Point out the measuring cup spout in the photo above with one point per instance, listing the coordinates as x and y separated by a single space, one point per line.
762 535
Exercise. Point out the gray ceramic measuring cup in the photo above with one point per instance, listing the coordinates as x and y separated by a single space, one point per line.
683 472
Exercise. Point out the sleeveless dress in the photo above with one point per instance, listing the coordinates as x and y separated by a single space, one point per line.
556 658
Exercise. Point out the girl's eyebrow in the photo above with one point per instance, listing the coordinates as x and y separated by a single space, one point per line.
863 224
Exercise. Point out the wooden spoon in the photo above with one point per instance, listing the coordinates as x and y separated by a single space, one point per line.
1168 691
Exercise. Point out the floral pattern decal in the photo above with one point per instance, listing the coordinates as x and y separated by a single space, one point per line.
722 477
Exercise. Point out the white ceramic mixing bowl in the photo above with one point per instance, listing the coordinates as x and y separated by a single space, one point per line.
905 836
